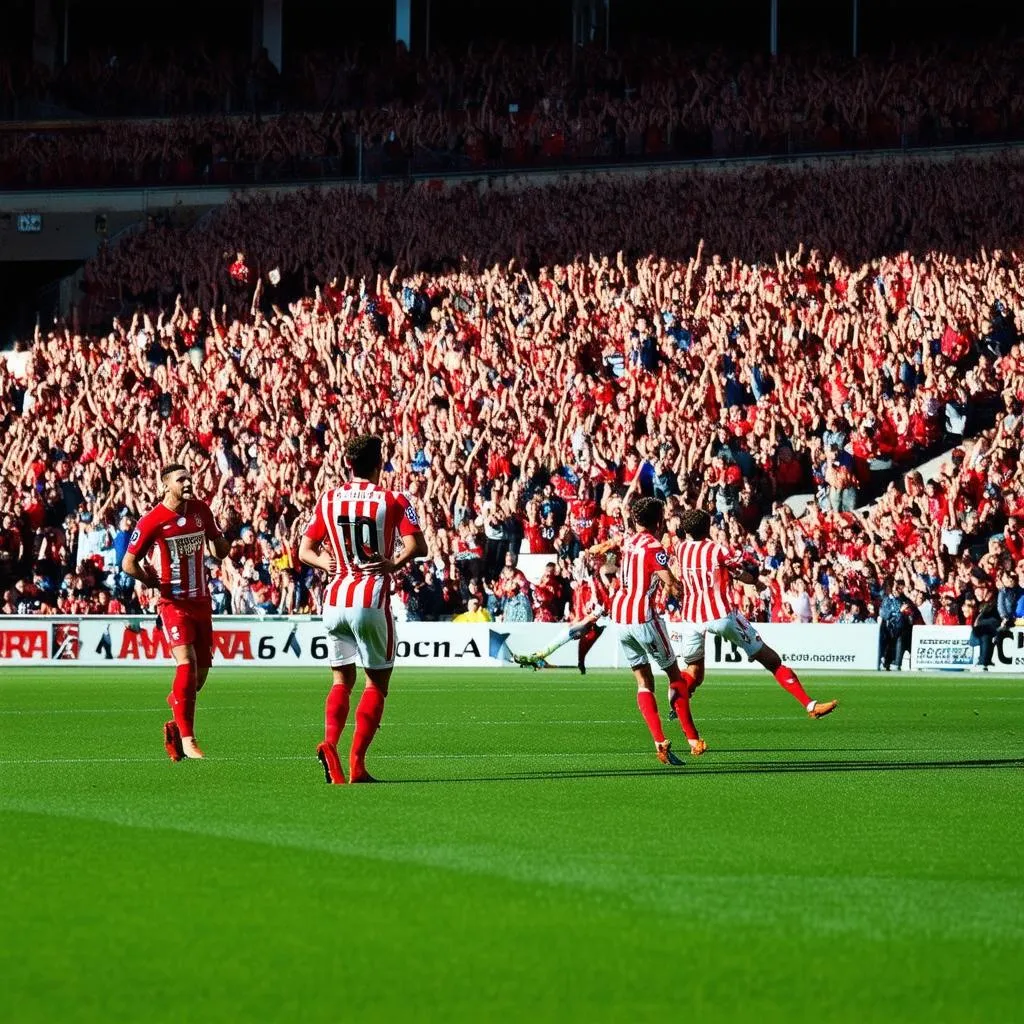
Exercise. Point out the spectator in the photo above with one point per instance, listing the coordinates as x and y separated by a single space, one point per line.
473 613
518 607
985 622
895 617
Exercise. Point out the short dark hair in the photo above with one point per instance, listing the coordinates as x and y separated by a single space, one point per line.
695 523
364 453
647 512
171 467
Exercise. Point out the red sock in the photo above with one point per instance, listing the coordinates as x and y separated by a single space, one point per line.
681 702
182 699
648 705
368 715
787 679
586 642
335 713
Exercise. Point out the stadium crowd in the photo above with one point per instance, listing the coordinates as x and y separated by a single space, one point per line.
524 407
392 113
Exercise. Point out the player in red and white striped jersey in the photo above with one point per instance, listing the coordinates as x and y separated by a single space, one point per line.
643 568
706 570
353 536
175 536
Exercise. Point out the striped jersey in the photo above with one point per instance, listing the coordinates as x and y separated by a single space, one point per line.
175 542
640 558
704 572
361 522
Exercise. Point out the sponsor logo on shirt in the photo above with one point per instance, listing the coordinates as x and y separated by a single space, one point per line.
184 547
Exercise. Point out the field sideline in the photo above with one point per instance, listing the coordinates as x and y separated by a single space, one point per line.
532 860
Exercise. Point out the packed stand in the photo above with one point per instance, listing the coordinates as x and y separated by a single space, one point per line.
224 119
855 212
523 409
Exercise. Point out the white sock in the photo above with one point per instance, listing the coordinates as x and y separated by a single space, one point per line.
560 641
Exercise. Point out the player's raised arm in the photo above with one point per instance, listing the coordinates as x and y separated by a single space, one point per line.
611 544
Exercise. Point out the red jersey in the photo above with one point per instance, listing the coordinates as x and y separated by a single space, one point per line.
541 538
641 557
583 600
177 541
362 522
704 572
591 596
581 519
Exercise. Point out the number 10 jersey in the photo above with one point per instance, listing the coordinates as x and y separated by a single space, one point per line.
361 522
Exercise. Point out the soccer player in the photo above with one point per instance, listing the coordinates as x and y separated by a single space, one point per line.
592 598
705 569
352 537
644 565
587 631
177 533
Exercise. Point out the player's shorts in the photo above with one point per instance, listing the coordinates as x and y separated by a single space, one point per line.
645 641
734 627
366 634
189 622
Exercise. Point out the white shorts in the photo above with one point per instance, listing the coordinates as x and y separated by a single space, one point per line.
645 641
734 627
364 633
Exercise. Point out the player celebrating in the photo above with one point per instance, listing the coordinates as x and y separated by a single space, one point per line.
642 634
178 531
353 534
705 569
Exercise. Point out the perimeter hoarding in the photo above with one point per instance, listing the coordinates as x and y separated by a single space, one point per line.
301 641
948 648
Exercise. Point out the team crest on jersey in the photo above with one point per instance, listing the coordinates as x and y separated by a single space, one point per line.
410 515
661 558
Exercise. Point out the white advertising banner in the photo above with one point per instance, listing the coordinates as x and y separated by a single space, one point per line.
301 641
948 648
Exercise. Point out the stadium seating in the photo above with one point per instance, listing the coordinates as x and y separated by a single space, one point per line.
221 118
523 403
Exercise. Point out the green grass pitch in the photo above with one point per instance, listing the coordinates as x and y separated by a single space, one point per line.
530 860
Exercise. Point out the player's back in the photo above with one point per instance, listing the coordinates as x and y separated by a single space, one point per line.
702 566
361 521
641 557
